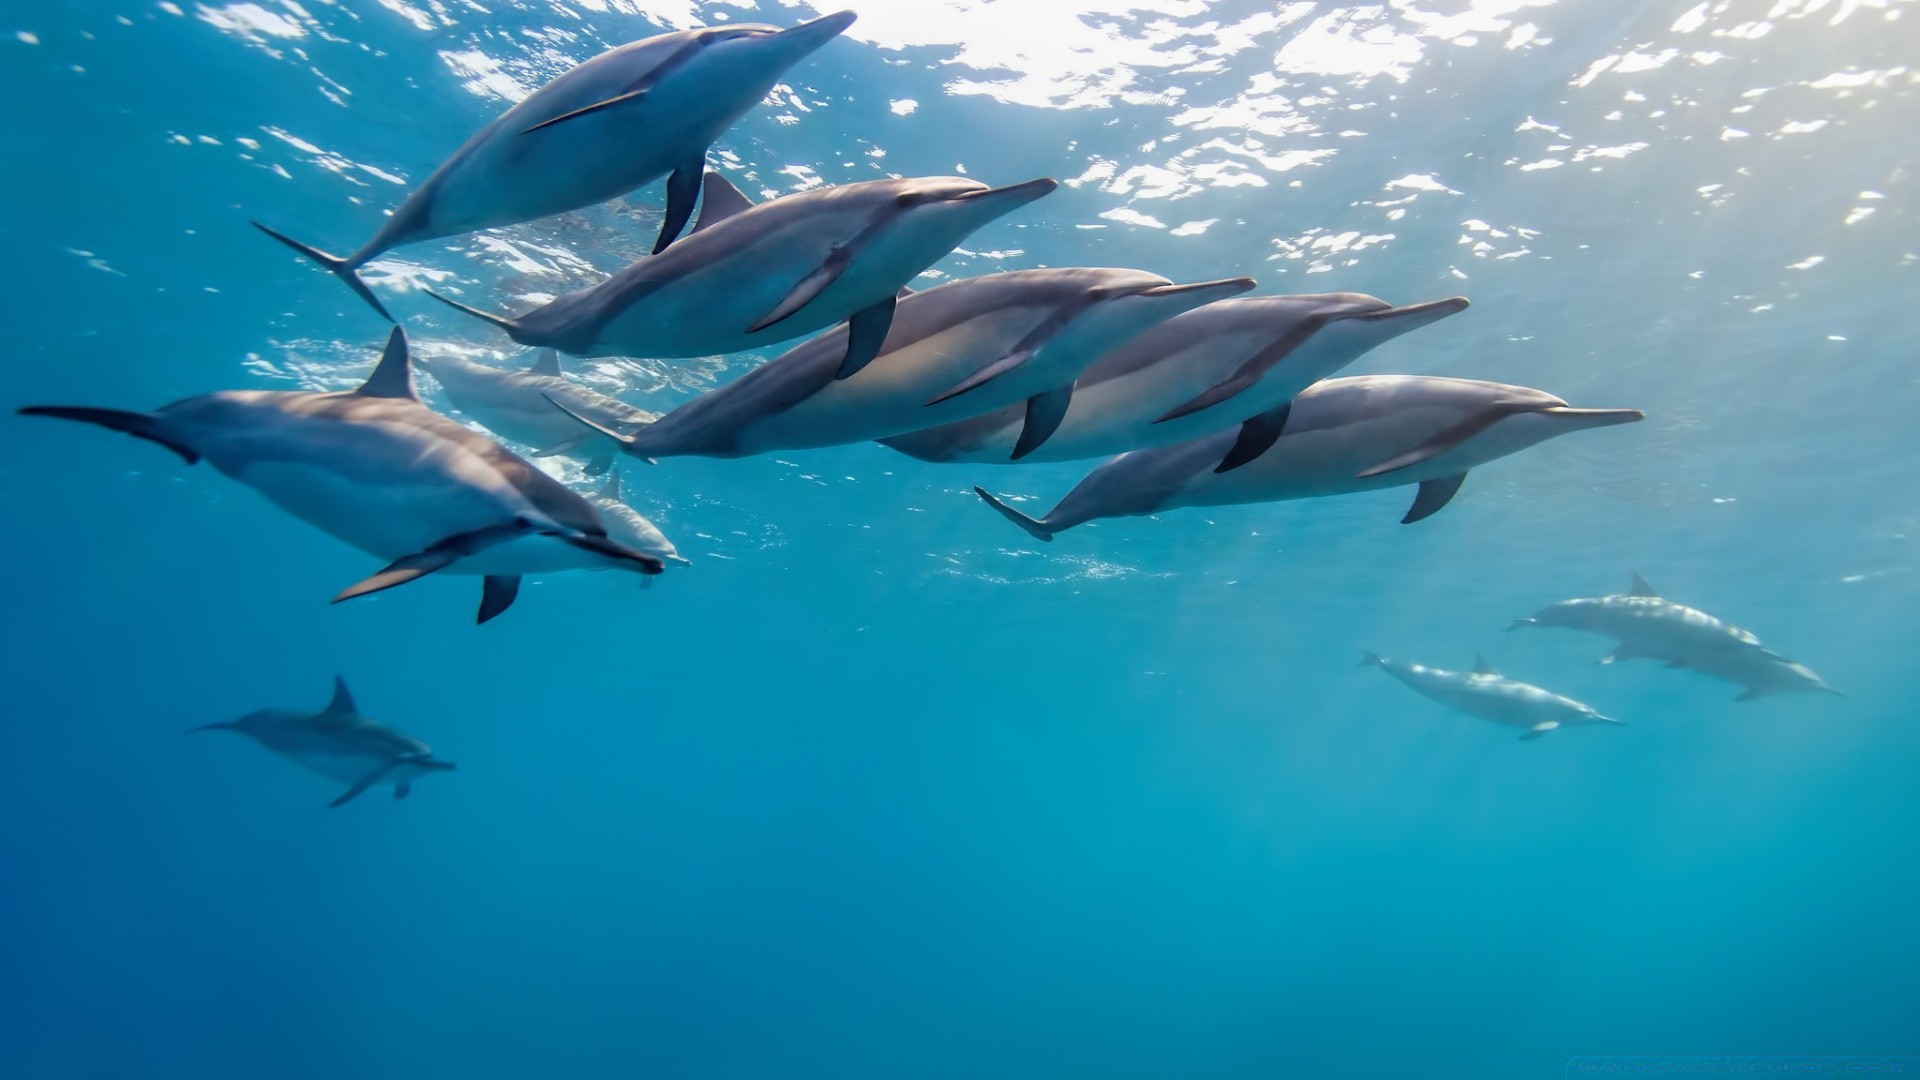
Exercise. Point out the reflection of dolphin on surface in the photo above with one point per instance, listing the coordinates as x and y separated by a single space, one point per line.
1489 695
339 743
1652 627
1338 436
518 405
379 470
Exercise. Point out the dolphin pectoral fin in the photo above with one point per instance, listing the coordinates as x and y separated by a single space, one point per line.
393 376
1624 652
566 446
1433 495
589 110
1045 411
139 425
1249 372
866 333
623 440
401 790
1257 435
361 785
497 592
1210 397
683 189
1037 530
984 375
807 289
441 555
1446 440
719 200
1538 730
344 269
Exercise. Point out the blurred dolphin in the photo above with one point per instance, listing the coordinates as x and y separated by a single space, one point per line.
628 527
518 405
1489 695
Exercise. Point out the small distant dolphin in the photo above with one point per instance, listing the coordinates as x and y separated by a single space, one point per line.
752 276
1651 627
612 124
340 744
379 470
954 351
1489 695
628 527
518 405
1338 436
1200 371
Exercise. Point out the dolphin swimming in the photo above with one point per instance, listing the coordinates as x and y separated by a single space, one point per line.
628 527
1200 371
621 120
953 351
379 470
518 405
1336 437
1649 626
340 744
752 276
1489 695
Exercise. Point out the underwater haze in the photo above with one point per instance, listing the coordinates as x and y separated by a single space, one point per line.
880 786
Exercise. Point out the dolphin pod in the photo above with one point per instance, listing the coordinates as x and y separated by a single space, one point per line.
751 276
1489 695
617 122
340 744
376 468
1336 437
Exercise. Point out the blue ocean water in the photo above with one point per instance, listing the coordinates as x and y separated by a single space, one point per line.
879 787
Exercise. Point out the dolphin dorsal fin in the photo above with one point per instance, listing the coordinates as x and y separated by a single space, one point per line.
719 200
611 489
1484 666
1641 588
393 376
342 704
546 362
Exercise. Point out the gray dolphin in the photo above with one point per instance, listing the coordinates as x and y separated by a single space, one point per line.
628 527
752 276
1649 626
340 744
1489 695
612 124
518 405
953 351
379 470
1340 436
1231 362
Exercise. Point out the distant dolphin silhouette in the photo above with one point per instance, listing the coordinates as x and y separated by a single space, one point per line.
599 130
1489 695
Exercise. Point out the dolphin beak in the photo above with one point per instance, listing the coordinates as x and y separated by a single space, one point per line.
1017 194
809 36
1414 316
1225 287
1597 417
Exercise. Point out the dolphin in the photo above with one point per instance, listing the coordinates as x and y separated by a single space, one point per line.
1652 627
612 124
379 470
518 405
628 528
1200 371
340 744
1489 695
1338 436
953 351
752 276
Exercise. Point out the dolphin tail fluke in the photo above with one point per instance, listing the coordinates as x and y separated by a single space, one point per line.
511 327
139 425
1036 529
344 269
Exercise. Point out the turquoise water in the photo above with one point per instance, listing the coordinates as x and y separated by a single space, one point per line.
880 787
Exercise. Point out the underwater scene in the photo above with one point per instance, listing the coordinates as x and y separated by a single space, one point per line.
960 538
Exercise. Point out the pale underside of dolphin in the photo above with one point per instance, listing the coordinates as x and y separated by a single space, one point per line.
1648 626
1238 361
518 405
339 743
952 351
379 470
1489 695
1341 436
629 527
753 276
619 121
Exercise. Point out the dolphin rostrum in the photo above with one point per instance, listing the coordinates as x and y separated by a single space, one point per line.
340 744
752 276
1339 436
518 405
1649 626
612 124
1229 363
379 470
628 527
1489 695
953 351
